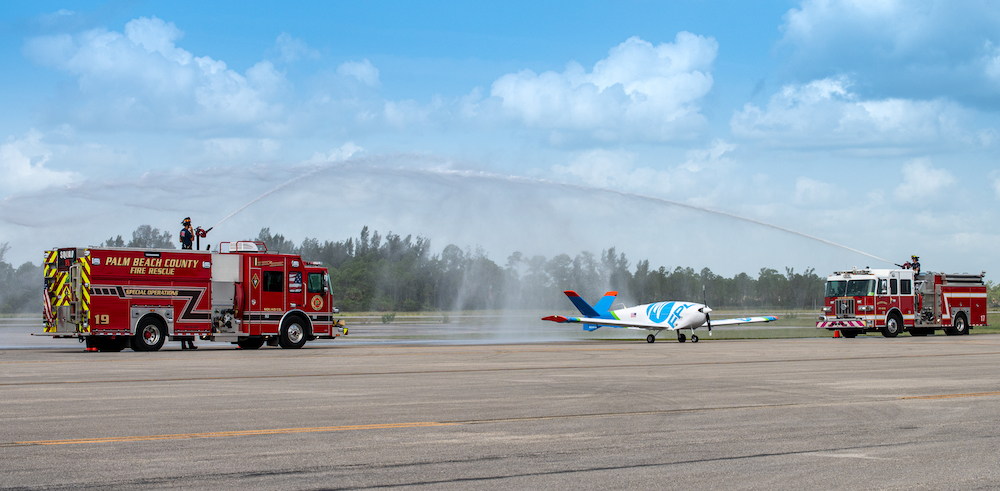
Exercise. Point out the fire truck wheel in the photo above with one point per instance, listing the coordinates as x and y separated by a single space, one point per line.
293 333
149 336
250 343
958 327
893 326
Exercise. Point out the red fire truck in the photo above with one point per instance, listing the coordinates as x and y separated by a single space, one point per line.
114 298
895 300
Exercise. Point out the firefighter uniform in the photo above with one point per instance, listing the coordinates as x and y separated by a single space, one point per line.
187 235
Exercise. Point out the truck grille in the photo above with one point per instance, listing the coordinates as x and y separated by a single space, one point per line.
844 307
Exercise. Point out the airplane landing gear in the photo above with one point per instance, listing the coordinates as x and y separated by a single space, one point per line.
694 338
650 338
681 338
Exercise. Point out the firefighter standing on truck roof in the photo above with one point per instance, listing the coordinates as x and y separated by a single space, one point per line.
913 264
187 234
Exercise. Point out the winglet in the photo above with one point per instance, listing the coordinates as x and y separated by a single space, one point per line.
555 318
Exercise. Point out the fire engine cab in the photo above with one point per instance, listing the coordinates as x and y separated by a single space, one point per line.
895 300
114 298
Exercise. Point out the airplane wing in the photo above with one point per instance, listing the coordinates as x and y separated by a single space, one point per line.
741 320
597 321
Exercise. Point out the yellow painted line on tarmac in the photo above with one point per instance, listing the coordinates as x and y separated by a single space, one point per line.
955 396
379 426
222 434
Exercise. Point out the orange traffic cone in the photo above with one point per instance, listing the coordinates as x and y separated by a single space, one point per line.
836 334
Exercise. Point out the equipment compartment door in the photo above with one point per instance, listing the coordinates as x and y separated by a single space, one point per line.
253 306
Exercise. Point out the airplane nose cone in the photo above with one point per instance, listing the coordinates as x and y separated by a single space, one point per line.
705 309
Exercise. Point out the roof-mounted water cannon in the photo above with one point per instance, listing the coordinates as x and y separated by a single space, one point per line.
198 234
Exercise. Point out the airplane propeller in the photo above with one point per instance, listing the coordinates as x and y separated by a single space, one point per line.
708 318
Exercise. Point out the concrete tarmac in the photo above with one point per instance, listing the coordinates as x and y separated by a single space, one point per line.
866 413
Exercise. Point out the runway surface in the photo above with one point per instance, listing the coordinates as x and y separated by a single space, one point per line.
866 413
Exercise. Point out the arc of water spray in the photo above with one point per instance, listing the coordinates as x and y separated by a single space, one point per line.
530 180
488 175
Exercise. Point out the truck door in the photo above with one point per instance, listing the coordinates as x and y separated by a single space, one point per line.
316 300
894 294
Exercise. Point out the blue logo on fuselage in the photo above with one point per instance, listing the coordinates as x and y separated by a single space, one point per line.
666 311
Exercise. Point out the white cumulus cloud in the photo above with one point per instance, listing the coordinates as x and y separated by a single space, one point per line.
22 163
921 180
826 111
289 49
640 91
141 78
362 70
696 177
914 48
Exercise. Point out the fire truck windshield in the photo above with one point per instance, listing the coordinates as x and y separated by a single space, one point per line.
836 288
860 288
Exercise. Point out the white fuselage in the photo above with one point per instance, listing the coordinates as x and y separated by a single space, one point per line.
666 315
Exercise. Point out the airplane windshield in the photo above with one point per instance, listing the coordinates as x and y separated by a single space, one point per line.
836 288
860 288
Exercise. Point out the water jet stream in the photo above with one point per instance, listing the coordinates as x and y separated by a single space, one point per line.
359 162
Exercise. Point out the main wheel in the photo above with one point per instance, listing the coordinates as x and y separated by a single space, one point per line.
293 333
681 338
250 343
650 338
694 338
893 326
958 327
149 336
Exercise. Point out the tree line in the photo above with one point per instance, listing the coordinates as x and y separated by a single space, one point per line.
392 273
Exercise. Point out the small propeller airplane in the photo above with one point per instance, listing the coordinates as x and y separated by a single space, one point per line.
656 317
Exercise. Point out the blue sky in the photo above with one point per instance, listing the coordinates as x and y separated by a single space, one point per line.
503 126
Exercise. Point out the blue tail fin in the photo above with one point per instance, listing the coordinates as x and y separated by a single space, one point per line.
600 310
603 306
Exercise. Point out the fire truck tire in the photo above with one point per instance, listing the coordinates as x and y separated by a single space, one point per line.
250 343
893 326
149 336
293 333
958 327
